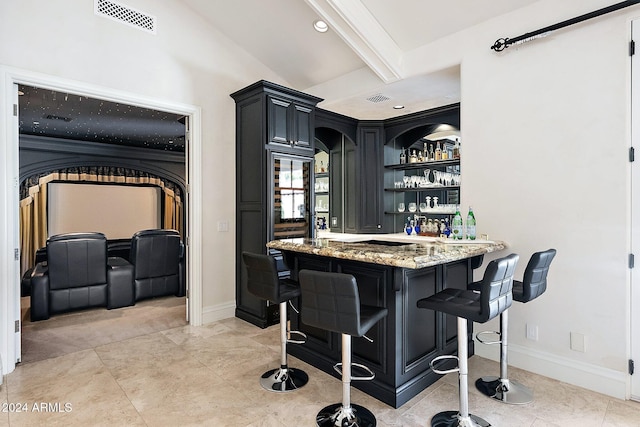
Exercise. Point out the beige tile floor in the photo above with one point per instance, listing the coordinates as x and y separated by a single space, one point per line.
137 367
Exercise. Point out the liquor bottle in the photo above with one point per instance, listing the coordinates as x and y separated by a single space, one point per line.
456 225
438 152
413 158
456 149
431 153
471 225
408 226
445 153
403 158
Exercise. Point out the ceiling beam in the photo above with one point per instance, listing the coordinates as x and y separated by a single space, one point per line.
359 29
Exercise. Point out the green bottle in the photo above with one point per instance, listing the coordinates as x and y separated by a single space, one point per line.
471 225
456 225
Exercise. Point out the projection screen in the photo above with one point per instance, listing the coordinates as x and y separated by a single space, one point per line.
118 211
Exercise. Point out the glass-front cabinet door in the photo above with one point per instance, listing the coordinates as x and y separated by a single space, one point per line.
291 196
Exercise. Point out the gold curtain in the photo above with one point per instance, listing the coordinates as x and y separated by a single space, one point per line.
33 205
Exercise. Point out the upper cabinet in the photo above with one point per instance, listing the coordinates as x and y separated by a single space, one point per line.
282 119
290 123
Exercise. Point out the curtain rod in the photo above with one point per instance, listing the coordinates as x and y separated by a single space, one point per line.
503 43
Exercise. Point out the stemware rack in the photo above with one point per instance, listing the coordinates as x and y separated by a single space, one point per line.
417 192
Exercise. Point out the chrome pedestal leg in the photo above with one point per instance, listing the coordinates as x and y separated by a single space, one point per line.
345 414
462 418
501 388
283 379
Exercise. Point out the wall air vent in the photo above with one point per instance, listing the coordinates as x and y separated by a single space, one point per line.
125 15
378 98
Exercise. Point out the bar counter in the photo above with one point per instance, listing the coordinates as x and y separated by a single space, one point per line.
392 271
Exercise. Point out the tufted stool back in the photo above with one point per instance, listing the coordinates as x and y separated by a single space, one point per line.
534 281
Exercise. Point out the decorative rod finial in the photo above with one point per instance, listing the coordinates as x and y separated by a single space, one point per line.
500 44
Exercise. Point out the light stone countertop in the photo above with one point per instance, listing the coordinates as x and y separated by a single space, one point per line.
397 250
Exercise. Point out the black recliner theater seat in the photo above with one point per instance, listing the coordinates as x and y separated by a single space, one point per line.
77 275
157 258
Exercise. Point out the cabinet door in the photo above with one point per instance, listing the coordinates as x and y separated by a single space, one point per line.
290 186
369 175
302 132
278 116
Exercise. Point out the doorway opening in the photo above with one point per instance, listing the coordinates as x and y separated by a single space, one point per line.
10 291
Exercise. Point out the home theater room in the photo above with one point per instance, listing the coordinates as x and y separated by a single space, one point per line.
108 173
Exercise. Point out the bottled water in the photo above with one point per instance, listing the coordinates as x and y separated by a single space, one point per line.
471 225
456 225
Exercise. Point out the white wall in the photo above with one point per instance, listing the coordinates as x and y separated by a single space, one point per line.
187 62
546 132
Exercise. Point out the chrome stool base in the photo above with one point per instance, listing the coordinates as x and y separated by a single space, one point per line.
453 419
506 391
336 415
282 380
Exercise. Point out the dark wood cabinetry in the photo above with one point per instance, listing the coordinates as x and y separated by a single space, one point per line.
405 341
274 130
290 124
369 177
356 156
363 196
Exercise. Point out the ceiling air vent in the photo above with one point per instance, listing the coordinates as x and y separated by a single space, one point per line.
125 15
378 98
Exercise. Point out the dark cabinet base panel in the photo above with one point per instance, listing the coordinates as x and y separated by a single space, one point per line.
272 316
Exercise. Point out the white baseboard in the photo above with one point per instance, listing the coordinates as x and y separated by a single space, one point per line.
596 378
213 313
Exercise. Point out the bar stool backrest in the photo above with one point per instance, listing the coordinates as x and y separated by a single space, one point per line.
330 301
262 276
534 282
496 287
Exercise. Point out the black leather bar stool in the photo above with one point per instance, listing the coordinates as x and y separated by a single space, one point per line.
330 301
495 297
263 282
534 283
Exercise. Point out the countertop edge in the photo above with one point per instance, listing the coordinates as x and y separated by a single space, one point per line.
409 255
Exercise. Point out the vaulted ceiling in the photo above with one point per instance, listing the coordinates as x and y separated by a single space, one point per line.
367 39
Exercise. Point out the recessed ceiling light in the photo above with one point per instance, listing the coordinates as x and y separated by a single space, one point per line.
320 26
398 107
